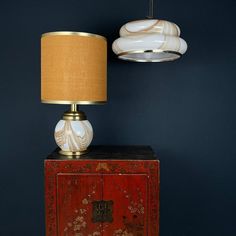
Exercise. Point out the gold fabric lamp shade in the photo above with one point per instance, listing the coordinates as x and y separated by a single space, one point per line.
73 71
73 68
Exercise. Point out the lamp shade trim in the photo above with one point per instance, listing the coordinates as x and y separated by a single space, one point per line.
73 102
130 55
85 34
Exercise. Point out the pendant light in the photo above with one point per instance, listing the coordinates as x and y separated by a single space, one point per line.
149 40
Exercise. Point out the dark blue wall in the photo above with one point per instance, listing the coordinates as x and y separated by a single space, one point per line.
184 109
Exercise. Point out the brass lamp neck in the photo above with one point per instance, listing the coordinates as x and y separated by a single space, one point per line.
74 114
74 107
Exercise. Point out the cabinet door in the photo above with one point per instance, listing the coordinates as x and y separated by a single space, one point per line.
75 195
129 194
102 198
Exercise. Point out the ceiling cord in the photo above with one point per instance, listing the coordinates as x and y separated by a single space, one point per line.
150 9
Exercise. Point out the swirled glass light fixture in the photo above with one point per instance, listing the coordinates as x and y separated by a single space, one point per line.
149 40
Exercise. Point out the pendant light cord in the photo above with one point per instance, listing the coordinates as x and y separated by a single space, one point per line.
150 9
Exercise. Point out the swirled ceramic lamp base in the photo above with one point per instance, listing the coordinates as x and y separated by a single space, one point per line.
73 136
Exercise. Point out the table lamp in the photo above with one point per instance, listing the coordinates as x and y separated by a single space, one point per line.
73 71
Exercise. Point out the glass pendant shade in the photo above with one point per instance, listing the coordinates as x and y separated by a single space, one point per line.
149 40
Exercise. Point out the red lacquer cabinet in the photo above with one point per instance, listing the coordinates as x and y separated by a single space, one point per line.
111 191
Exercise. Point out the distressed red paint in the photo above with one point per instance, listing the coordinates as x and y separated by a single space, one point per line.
72 185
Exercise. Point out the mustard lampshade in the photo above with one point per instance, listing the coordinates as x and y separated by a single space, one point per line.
73 68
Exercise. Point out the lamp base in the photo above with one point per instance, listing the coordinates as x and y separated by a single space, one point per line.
73 134
68 153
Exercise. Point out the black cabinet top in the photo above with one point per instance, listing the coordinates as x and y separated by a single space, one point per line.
112 152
